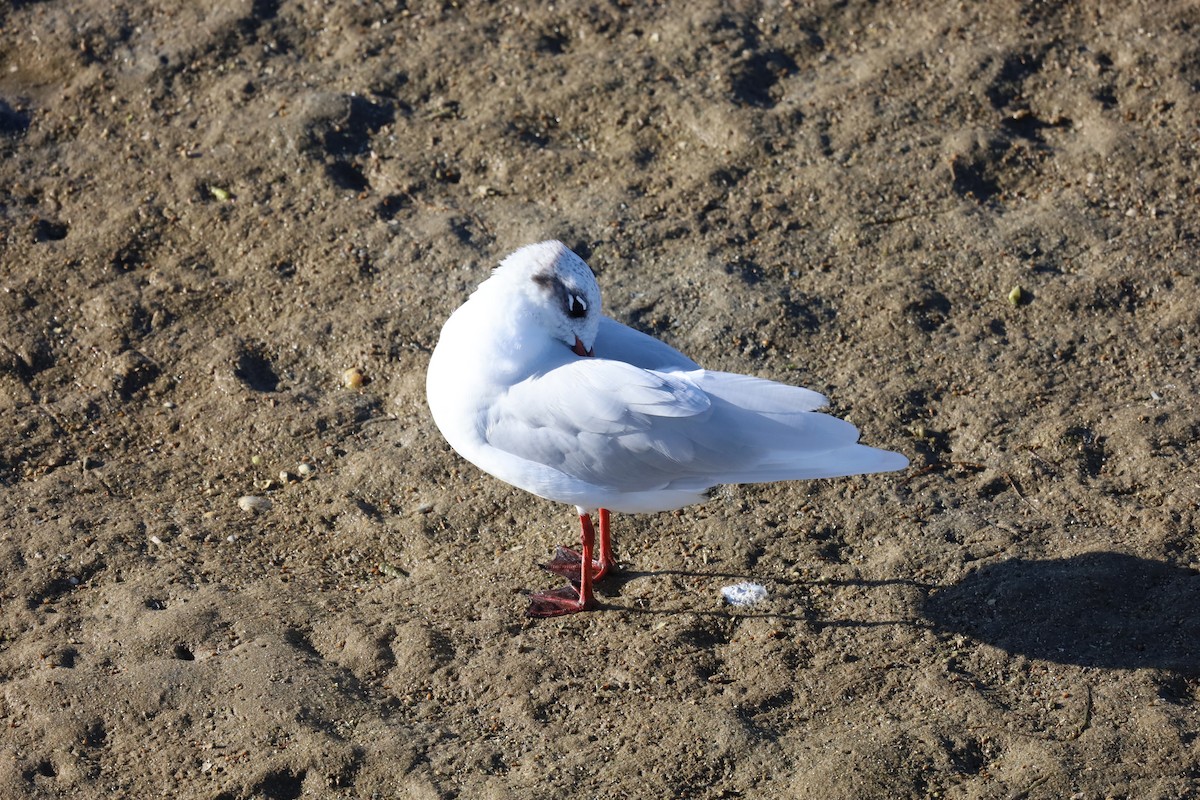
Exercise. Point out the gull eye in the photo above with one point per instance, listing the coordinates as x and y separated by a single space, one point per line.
576 307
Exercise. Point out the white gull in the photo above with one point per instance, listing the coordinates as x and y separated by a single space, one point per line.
533 384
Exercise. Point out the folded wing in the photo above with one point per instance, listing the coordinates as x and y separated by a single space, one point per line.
618 426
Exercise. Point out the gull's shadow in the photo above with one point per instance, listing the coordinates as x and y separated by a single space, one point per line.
1098 609
1093 610
616 584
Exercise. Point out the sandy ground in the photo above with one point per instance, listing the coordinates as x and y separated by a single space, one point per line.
974 226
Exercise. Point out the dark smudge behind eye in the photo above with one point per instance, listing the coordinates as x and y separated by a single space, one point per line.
573 304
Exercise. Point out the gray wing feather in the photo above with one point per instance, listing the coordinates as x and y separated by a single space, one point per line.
615 425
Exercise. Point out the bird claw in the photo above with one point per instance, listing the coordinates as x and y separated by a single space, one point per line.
557 602
567 563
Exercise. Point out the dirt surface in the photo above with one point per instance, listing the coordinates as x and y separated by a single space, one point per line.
974 226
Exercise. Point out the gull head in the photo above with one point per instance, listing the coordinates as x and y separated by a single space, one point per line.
556 290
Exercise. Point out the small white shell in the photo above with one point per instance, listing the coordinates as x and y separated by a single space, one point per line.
744 594
254 503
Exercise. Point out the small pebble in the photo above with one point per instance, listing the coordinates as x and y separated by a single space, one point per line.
391 570
353 378
254 503
305 470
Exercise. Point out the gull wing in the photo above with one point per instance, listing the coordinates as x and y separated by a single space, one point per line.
616 426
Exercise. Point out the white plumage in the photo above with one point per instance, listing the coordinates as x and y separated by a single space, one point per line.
532 383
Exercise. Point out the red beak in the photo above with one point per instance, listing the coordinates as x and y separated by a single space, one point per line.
579 350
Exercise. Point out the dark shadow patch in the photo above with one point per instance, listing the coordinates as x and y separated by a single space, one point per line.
582 249
63 657
133 372
254 369
58 586
976 176
1103 609
644 156
261 12
928 312
807 311
536 130
352 136
299 639
707 633
933 447
469 230
727 177
831 544
757 716
1189 69
13 121
993 488
1106 96
1176 689
369 510
755 80
390 206
554 42
96 734
1089 448
967 755
264 9
26 358
128 258
365 265
1119 295
280 785
1009 83
648 320
1027 125
46 230
751 272
346 175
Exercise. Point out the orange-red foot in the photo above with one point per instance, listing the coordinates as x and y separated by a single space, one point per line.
567 562
557 602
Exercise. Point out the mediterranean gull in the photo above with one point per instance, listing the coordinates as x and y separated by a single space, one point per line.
533 384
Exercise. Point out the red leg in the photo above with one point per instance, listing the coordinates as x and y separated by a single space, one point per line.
568 599
566 561
608 563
